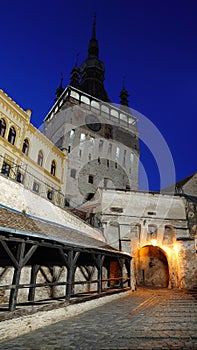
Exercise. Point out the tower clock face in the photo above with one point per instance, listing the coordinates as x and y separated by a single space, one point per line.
92 122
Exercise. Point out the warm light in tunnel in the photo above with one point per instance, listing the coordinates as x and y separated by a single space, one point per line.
176 248
154 242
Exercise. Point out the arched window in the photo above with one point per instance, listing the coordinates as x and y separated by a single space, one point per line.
25 148
40 158
53 168
169 235
152 232
136 232
12 135
2 127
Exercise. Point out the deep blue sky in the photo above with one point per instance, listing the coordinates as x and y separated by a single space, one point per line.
152 43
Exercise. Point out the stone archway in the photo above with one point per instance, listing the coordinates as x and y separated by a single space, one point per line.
152 267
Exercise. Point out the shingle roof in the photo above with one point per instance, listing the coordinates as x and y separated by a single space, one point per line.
14 220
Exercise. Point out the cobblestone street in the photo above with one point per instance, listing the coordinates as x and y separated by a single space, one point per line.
147 319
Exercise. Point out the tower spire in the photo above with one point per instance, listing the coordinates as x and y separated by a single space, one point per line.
93 70
93 50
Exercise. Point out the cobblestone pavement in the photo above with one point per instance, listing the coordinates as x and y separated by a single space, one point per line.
147 319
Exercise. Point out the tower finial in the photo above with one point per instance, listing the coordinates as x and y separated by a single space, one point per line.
77 60
123 82
60 89
61 78
124 95
94 27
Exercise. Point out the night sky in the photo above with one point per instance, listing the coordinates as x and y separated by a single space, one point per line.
151 44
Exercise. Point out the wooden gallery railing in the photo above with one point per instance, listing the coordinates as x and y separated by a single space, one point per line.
112 268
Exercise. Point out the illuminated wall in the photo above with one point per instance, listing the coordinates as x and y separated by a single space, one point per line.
154 229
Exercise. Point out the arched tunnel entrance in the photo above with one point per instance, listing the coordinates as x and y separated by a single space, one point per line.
152 267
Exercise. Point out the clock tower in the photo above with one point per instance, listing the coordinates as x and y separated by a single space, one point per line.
101 139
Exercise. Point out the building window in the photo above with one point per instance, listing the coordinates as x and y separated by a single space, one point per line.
152 232
92 141
72 135
50 195
110 149
73 173
5 170
69 149
117 153
89 196
53 168
136 232
80 153
25 148
12 135
90 156
105 183
124 157
108 163
67 202
20 178
108 131
169 235
91 179
82 138
99 160
2 127
116 165
100 145
131 159
40 158
36 187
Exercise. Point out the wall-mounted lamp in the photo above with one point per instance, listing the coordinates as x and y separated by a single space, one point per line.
154 242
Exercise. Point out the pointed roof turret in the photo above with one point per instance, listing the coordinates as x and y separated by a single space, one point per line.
75 75
124 103
60 89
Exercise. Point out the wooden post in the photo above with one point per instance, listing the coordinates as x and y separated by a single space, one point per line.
128 267
120 272
34 272
71 268
108 275
16 277
100 260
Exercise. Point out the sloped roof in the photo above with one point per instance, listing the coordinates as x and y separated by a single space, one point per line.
182 182
19 223
178 185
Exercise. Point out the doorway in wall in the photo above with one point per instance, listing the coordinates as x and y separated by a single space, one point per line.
152 267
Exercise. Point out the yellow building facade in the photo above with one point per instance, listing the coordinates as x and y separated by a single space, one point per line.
27 156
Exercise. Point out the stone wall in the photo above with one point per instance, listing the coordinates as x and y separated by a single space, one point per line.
157 225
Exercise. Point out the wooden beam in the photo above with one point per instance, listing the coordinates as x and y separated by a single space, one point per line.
29 254
11 256
16 276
